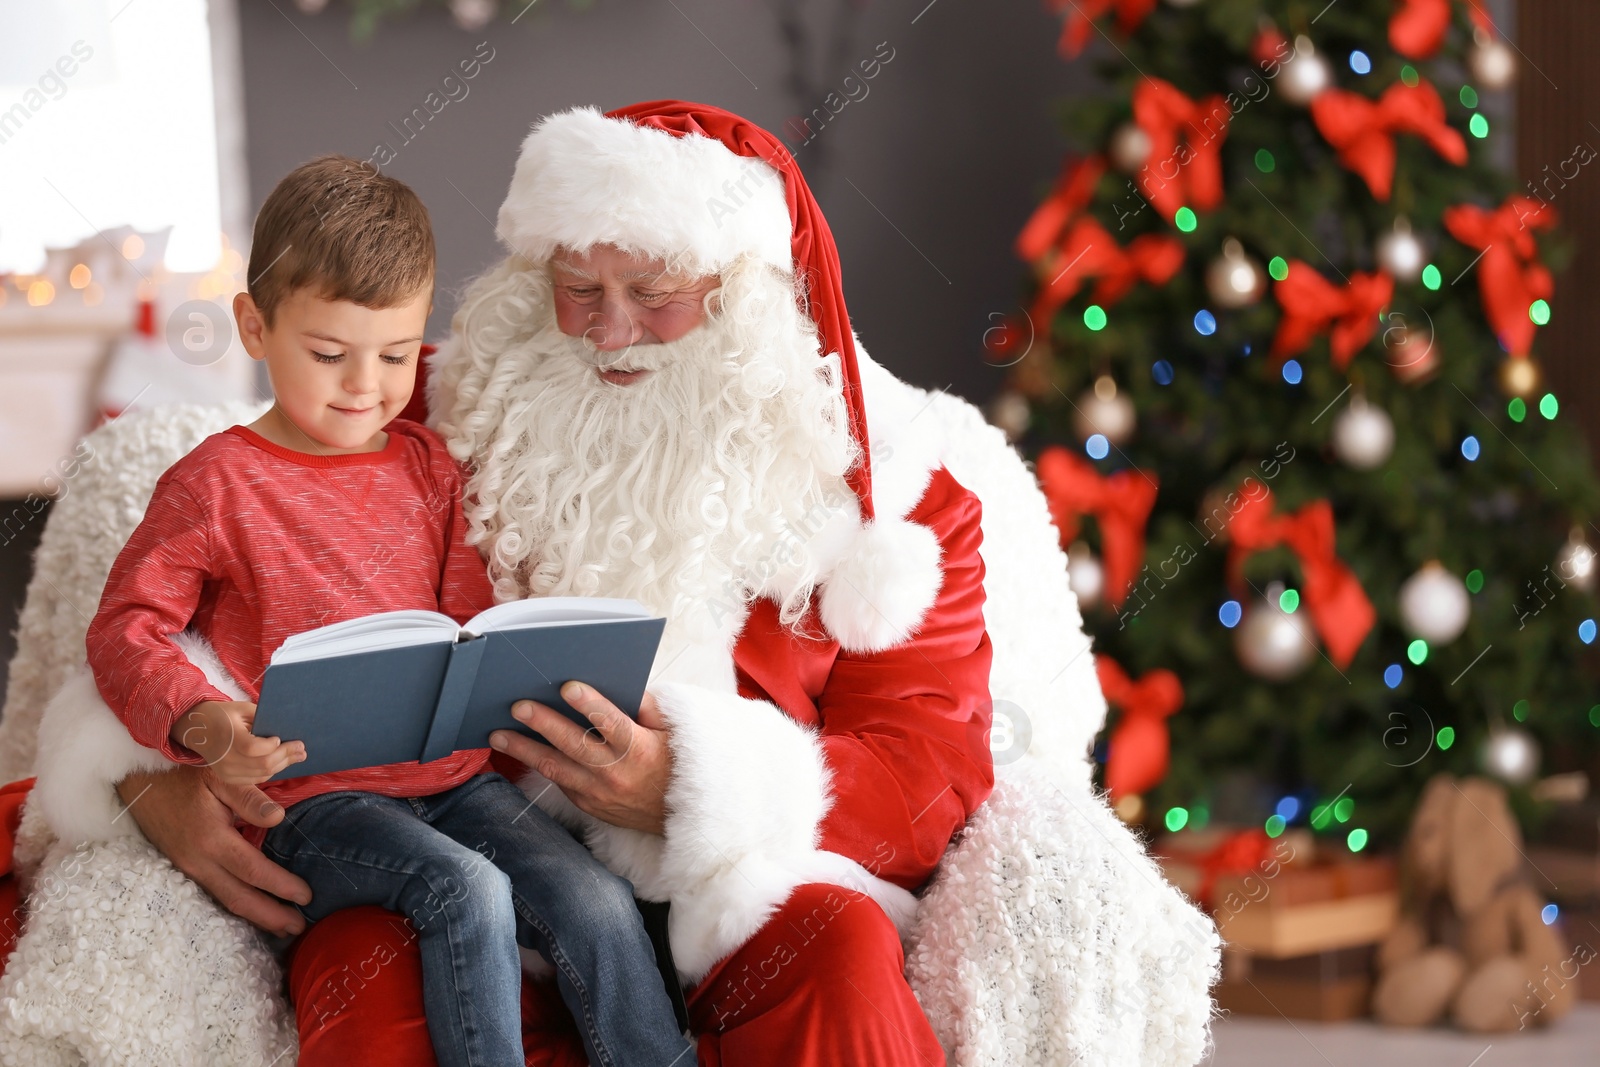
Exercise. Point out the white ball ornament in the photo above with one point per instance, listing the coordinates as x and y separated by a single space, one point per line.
1010 411
1104 410
1434 604
1363 435
1493 64
1511 755
473 15
1272 643
1400 253
1233 279
1305 74
1085 575
1129 148
1575 562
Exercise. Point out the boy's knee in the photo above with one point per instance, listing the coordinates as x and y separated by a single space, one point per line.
447 884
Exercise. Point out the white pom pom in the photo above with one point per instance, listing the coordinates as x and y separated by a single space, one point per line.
877 596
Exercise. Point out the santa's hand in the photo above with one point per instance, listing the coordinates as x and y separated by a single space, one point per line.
617 770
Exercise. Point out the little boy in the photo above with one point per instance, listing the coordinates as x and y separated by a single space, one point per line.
323 510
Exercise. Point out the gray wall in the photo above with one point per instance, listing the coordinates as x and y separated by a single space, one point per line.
954 141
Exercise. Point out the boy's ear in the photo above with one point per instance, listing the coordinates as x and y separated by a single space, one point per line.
252 325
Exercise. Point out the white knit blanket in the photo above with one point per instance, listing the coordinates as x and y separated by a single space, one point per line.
1047 936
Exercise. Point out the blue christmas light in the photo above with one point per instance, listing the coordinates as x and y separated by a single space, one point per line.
1393 674
1161 371
1247 350
1205 323
1097 446
1292 372
1360 62
1586 631
1469 447
1288 808
1230 613
1549 913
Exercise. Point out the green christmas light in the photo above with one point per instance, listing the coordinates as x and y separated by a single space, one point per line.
1275 825
1445 737
1094 317
1177 819
1343 809
1479 126
1594 715
1474 581
1548 405
1417 651
1264 161
1185 220
1431 277
1469 96
1199 817
1539 312
1278 268
1517 409
1357 839
1408 74
1288 600
1320 816
1520 709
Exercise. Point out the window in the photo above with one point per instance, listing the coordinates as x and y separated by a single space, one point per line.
108 117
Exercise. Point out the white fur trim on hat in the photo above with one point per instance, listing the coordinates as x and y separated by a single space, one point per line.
583 179
84 749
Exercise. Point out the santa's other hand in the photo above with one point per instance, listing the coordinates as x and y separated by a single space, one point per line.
616 770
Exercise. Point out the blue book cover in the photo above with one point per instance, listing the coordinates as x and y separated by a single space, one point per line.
412 685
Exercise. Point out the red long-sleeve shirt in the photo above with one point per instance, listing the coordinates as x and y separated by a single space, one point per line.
249 542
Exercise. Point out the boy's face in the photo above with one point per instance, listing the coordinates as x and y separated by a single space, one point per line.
340 371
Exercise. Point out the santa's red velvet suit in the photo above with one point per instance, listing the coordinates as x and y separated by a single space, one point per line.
816 779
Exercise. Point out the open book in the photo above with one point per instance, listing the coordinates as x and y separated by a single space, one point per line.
412 685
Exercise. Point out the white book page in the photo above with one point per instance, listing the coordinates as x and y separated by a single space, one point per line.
370 633
554 610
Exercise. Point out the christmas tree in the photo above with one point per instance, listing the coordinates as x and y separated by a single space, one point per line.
1278 373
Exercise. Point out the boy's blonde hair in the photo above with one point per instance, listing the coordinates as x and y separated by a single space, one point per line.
339 226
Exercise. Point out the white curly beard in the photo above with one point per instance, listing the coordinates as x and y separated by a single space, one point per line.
716 478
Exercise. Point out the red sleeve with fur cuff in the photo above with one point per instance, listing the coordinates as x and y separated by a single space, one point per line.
906 730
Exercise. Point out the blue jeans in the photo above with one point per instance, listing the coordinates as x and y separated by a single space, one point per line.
479 870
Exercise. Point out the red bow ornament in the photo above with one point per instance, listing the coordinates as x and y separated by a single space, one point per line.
1185 162
1080 22
1120 503
1508 278
1073 190
1140 750
1417 29
1339 606
1312 304
1088 251
1362 130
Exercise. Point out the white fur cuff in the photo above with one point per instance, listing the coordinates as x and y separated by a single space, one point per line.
749 790
85 750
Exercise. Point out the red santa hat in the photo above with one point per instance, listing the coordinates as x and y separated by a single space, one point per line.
690 182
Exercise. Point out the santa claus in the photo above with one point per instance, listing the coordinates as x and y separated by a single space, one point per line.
658 395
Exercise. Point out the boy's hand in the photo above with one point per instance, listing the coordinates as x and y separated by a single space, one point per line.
219 731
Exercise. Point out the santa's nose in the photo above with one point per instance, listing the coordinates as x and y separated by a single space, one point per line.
611 327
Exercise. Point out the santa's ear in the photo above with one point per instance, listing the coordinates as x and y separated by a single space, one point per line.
1485 843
